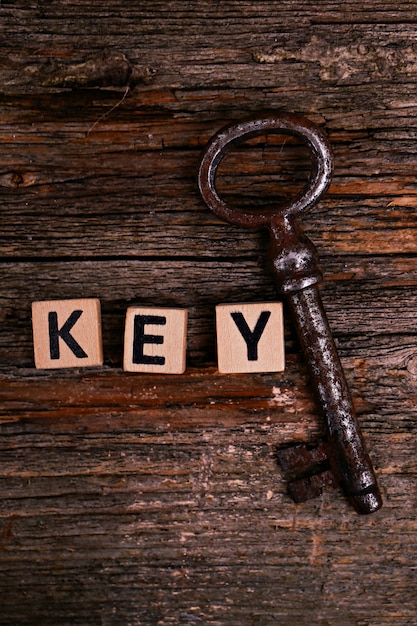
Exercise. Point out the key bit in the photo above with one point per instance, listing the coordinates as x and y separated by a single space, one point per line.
293 259
307 470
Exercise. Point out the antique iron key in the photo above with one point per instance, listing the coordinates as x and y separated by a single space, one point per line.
294 263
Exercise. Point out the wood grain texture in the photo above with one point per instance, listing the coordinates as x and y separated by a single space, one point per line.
155 500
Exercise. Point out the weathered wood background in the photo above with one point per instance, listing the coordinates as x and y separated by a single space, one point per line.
130 499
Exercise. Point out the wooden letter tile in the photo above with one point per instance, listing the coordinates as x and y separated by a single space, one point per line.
155 340
250 337
67 333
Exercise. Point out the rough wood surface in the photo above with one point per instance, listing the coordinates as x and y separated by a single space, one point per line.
131 499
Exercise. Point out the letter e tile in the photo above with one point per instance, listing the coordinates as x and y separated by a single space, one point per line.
155 340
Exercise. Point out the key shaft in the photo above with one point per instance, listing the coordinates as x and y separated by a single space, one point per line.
346 448
294 263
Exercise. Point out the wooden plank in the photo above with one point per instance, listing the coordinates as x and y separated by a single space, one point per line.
108 488
70 192
361 297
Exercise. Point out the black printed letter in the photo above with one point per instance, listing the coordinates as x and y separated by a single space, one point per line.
139 339
64 333
251 337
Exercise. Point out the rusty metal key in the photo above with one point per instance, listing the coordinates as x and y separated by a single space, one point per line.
342 458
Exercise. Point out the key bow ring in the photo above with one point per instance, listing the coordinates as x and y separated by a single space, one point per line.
342 457
283 123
